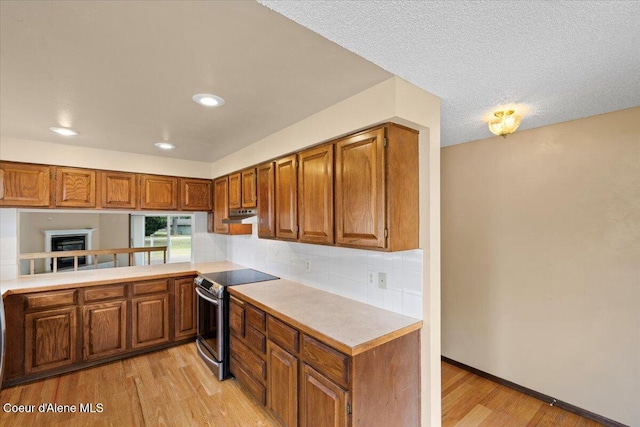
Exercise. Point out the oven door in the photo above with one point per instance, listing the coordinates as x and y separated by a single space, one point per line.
211 324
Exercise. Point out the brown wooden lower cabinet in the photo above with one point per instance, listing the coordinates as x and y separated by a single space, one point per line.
282 384
185 308
323 402
311 384
50 339
53 332
104 329
150 320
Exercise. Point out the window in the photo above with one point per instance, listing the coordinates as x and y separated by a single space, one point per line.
172 231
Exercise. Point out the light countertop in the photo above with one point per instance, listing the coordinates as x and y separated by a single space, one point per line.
55 281
347 325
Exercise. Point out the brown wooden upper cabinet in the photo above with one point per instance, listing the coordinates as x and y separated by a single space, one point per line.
24 184
75 188
118 190
249 188
266 200
221 205
315 194
242 189
376 189
286 198
159 192
195 194
235 190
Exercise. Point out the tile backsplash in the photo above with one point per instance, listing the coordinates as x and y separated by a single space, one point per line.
207 247
342 271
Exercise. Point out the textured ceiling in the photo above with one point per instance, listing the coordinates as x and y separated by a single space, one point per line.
556 61
123 74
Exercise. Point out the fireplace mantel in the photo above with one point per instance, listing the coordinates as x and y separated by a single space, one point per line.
48 234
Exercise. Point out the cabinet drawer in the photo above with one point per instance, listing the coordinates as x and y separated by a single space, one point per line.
150 287
283 334
254 388
51 299
256 340
236 317
252 363
105 293
256 318
328 361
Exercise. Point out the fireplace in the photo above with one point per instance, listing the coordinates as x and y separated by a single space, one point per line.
68 243
67 240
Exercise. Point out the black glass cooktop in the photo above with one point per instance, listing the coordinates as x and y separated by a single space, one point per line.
238 277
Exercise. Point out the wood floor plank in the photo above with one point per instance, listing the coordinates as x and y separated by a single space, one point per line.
470 400
475 417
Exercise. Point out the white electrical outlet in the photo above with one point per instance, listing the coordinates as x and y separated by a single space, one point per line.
308 266
371 277
382 280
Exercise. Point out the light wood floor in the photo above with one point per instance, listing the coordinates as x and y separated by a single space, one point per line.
174 388
171 387
469 400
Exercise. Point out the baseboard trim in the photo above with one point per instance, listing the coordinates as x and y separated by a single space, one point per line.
540 396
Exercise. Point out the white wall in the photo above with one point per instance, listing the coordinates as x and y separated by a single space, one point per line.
8 244
541 260
25 150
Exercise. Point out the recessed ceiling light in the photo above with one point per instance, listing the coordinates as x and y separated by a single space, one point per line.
63 131
208 100
165 145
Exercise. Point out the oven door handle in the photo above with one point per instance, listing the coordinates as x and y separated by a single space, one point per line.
202 295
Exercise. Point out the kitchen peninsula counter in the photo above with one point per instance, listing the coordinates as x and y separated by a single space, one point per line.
106 276
349 325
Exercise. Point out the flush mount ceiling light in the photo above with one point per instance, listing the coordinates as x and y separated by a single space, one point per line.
63 131
208 100
504 123
165 145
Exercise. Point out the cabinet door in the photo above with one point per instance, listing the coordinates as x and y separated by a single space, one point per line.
195 194
75 188
50 339
221 205
150 320
104 329
360 190
249 188
282 389
159 192
266 200
315 194
235 191
118 190
322 402
185 308
24 185
286 198
236 317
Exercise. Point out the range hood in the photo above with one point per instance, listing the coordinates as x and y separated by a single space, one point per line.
239 216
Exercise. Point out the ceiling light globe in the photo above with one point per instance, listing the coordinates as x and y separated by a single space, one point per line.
504 123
